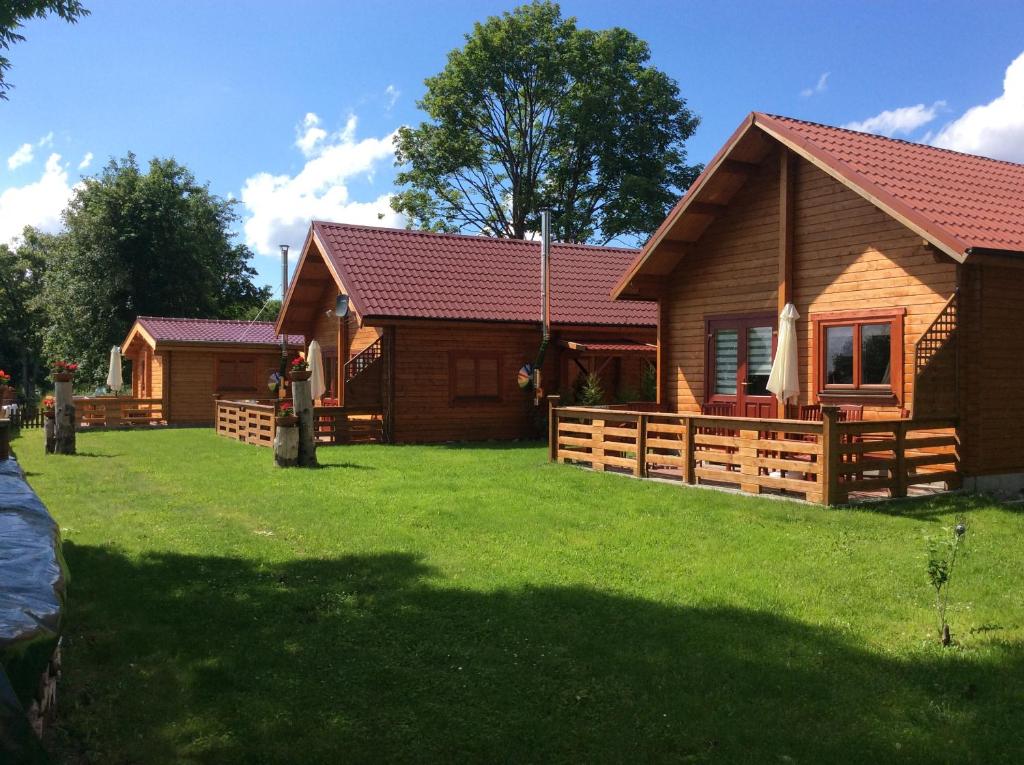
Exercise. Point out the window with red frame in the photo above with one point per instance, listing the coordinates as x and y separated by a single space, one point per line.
859 355
474 377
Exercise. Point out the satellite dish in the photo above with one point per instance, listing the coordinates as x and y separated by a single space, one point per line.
341 305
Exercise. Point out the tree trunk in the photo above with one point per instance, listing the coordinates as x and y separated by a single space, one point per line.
303 403
64 419
286 446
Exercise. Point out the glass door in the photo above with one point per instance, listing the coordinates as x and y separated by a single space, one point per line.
739 361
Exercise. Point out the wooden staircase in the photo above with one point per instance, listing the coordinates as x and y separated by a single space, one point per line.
363 377
936 364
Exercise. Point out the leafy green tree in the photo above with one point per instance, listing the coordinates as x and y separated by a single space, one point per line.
14 12
534 112
22 317
138 243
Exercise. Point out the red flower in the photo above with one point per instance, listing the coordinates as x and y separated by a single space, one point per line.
298 361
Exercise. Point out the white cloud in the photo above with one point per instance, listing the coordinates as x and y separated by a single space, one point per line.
38 204
893 122
820 87
392 93
46 140
995 129
86 161
309 135
280 207
22 156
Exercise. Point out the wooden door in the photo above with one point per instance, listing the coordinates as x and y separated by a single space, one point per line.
739 360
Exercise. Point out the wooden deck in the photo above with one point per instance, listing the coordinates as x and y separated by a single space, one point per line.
828 462
253 422
118 412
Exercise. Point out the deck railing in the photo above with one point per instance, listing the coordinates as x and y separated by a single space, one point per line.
118 412
828 462
254 423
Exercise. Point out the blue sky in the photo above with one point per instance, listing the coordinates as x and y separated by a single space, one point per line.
290 106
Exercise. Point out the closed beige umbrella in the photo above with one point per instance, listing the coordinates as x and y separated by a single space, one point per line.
784 380
114 379
317 388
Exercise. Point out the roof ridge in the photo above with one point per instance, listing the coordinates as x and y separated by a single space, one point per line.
903 141
451 235
205 321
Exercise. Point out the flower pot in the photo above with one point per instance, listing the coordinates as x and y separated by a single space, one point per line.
300 374
63 376
49 414
287 421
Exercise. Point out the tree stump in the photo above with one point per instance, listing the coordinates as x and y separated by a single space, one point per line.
64 419
303 402
49 434
286 446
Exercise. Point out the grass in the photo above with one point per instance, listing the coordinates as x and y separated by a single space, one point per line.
441 604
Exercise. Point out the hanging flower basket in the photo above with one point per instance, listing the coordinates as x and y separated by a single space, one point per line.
48 407
286 417
63 371
298 369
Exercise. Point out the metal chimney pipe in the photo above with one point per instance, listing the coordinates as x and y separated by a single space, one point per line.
545 271
284 292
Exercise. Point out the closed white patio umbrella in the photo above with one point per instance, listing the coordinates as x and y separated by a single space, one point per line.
317 388
784 380
114 380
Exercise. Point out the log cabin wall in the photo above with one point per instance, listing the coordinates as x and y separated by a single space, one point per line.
848 255
193 380
423 407
325 328
991 369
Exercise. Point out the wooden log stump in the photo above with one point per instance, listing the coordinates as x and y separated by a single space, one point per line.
286 445
49 434
64 418
5 439
303 403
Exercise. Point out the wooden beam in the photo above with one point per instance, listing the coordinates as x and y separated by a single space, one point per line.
342 357
653 287
737 167
661 360
705 208
786 173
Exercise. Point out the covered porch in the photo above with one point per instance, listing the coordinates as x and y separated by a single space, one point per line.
830 461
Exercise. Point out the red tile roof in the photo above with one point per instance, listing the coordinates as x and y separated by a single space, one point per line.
972 201
165 329
396 273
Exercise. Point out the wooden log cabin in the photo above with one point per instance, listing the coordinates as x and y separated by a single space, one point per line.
906 265
439 325
185 363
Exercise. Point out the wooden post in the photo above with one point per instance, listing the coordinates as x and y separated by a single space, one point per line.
747 453
689 476
5 439
64 419
286 445
661 361
553 428
597 445
640 470
343 351
786 172
303 402
899 479
831 459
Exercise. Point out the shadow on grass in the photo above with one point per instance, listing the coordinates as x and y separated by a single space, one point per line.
937 508
496 446
173 658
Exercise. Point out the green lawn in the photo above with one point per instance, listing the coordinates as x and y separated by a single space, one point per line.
441 604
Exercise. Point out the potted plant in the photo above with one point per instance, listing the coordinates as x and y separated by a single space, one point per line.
5 385
63 371
286 417
48 407
298 369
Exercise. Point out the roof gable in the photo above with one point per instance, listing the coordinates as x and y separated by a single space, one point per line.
403 274
958 202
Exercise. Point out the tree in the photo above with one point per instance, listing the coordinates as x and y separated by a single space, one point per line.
14 12
139 243
22 318
536 113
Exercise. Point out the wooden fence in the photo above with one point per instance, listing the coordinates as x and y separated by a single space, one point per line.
118 412
829 462
254 423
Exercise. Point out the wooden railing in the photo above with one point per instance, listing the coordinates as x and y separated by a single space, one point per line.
829 462
118 412
363 360
249 421
253 422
